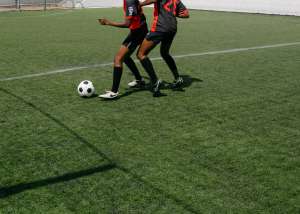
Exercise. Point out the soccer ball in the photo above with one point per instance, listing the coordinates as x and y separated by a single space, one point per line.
86 89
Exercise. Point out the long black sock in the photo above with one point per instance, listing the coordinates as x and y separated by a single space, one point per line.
116 79
172 65
131 65
146 63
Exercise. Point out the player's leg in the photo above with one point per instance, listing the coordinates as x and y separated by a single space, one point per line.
138 82
118 67
165 53
132 67
117 73
142 55
135 39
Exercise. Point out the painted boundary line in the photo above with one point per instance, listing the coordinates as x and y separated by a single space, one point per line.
72 69
45 14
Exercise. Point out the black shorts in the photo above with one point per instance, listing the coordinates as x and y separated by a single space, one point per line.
158 37
135 37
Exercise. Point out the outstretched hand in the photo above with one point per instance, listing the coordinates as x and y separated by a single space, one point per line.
103 21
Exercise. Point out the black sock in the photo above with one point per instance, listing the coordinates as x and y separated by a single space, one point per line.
131 65
116 79
146 63
172 65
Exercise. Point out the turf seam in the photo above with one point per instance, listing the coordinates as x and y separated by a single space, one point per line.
207 53
111 163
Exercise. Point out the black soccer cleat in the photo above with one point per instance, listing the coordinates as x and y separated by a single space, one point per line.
178 83
156 88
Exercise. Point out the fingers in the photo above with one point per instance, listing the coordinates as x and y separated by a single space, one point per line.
184 14
103 21
100 21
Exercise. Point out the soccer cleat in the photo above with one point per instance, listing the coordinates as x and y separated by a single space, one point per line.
137 84
109 95
156 88
177 83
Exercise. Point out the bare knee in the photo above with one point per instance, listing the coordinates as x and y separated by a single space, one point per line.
118 61
141 55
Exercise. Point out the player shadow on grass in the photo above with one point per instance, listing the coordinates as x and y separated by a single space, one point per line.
6 191
187 82
93 96
18 188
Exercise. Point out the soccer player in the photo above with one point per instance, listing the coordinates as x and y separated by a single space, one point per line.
135 20
163 31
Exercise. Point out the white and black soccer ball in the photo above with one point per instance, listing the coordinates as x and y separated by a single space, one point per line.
86 89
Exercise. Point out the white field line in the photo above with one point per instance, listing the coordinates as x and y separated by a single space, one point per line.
78 68
45 14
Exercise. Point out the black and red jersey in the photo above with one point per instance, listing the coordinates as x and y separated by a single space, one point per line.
165 12
135 13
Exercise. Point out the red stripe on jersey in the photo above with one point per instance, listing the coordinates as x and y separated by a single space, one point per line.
155 20
124 7
175 7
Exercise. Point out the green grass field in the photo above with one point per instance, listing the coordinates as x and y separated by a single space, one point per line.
228 143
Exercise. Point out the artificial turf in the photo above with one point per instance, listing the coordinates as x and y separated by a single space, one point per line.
227 143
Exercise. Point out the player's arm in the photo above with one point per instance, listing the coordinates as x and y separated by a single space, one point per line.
183 12
147 2
124 24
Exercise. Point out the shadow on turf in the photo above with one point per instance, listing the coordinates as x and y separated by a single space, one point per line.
187 82
18 188
93 96
7 191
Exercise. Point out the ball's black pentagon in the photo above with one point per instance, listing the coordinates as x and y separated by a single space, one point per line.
85 82
89 90
80 90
